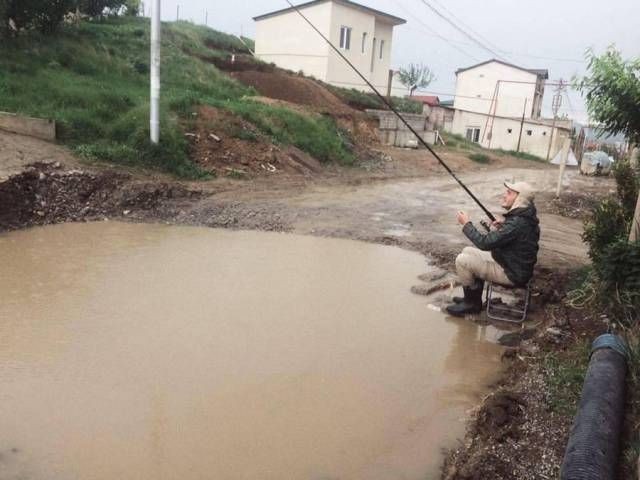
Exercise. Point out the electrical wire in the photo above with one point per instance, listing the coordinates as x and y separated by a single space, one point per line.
435 33
400 117
462 30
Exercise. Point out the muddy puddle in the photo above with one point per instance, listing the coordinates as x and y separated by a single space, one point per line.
155 352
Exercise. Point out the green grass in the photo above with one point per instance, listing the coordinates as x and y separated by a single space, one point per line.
523 155
565 371
479 157
93 80
362 100
454 140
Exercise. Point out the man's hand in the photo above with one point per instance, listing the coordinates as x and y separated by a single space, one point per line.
497 224
463 218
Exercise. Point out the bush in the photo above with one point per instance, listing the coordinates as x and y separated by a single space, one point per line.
42 15
618 272
628 184
480 157
93 8
406 105
614 283
606 225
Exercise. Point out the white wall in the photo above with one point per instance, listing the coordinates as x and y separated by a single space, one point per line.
339 73
535 143
479 83
289 42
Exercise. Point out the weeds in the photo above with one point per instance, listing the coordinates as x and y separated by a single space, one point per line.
565 371
479 157
523 155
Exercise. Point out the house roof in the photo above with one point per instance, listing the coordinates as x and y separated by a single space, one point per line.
539 72
377 13
431 100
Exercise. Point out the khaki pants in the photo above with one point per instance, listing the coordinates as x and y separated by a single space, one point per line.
473 263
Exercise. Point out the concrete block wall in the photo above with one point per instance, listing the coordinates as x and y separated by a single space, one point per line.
44 129
392 131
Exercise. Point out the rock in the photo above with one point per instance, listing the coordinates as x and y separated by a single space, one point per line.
556 332
513 339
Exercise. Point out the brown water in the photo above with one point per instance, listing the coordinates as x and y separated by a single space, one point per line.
153 352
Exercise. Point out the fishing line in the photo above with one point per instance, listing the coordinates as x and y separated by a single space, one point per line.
392 108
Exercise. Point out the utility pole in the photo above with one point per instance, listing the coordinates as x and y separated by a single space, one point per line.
522 123
206 18
389 83
563 162
177 12
555 107
154 122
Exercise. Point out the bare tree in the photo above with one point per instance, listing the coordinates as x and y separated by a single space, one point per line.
415 76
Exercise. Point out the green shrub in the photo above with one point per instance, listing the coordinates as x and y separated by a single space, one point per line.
628 184
406 105
480 157
606 225
618 272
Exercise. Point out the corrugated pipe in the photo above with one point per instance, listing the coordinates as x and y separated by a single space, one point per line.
594 444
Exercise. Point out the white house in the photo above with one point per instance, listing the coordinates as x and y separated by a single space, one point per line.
499 105
362 34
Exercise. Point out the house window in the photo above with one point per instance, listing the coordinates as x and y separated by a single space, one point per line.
509 130
364 42
473 134
345 38
373 53
529 132
381 49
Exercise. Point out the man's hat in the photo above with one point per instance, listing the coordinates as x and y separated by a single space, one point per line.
523 189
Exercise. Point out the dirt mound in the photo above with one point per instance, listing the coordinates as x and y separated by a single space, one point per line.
46 193
239 63
227 145
295 89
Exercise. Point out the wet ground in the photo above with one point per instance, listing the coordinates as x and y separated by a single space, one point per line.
413 213
136 351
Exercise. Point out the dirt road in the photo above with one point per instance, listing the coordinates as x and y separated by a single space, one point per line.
417 214
407 200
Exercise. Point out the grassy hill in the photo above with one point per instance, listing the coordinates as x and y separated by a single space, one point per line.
93 79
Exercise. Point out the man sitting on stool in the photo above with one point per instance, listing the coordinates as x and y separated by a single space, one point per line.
506 255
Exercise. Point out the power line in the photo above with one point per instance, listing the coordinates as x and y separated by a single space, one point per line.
461 30
506 52
481 37
433 32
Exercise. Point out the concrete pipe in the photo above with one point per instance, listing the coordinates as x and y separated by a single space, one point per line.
594 444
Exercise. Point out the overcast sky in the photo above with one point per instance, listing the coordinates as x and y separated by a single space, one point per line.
549 34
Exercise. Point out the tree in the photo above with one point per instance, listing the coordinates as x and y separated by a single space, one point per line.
415 76
94 8
612 92
42 15
133 7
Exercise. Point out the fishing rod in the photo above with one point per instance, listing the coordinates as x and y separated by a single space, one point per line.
393 109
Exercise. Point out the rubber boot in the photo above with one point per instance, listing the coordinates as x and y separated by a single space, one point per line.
472 302
460 299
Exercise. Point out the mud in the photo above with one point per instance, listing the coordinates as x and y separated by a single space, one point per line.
137 351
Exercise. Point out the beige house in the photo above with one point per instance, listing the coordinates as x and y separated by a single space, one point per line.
499 105
362 34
